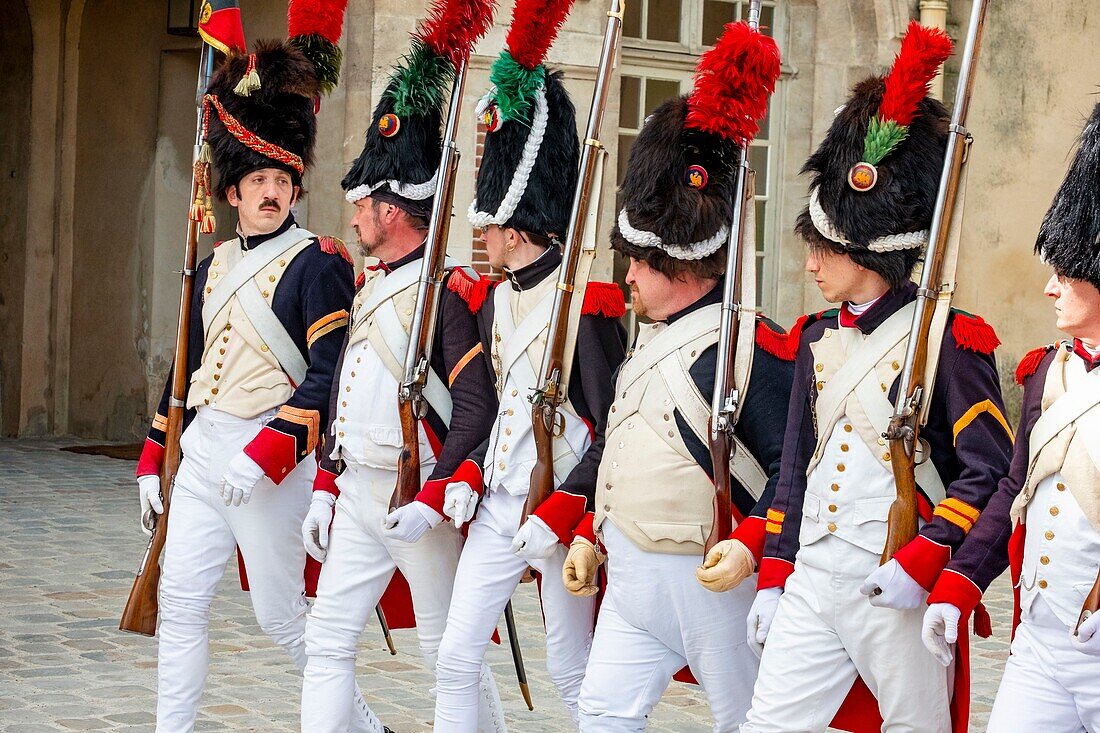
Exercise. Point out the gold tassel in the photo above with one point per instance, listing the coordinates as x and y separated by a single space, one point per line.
209 223
250 82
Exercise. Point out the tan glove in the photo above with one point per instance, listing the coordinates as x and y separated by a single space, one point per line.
579 571
725 566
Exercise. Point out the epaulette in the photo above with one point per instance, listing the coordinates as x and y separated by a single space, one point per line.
218 244
772 340
470 290
334 246
1031 361
785 346
973 333
603 299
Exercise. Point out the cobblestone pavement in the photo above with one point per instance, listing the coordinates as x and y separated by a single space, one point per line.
70 546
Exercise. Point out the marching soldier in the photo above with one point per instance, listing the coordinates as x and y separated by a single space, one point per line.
825 607
392 184
269 313
653 504
1050 493
523 236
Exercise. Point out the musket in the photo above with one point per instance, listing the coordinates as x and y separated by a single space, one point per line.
140 613
726 397
903 432
517 655
385 628
411 404
547 422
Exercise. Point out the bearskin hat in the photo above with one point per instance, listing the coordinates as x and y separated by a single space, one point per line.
677 194
528 171
399 162
1069 239
876 175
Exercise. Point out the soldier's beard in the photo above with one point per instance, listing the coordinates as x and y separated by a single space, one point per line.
637 303
376 239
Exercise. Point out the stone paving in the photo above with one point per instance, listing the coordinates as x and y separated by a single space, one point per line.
70 545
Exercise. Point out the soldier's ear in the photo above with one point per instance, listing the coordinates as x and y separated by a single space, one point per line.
232 195
294 195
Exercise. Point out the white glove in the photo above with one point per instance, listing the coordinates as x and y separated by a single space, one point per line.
410 522
534 540
149 494
759 621
940 630
727 564
1087 641
240 479
889 586
459 502
315 527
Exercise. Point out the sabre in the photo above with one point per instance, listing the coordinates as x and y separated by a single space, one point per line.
517 655
385 628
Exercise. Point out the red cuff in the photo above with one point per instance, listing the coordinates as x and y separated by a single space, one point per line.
585 529
958 590
325 481
152 458
751 534
562 512
470 472
434 493
273 451
774 573
924 560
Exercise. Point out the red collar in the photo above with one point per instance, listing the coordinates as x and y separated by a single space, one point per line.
1091 361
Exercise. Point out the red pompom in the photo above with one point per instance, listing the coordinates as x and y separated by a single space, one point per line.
324 18
732 84
777 343
452 27
1030 363
535 25
603 299
973 333
923 51
470 290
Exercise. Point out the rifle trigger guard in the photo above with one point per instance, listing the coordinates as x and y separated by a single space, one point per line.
558 428
149 520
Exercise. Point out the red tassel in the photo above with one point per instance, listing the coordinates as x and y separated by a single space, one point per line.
470 290
983 625
777 343
1030 363
973 333
334 246
603 299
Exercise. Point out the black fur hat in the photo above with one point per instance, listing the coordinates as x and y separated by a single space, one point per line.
260 114
1069 239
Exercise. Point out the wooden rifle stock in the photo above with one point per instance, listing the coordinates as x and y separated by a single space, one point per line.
547 423
903 432
410 399
140 613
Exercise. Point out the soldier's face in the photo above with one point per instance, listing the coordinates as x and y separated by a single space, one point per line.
263 199
495 245
838 277
651 291
1076 307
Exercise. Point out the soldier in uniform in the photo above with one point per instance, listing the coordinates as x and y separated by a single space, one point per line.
523 236
653 504
825 607
391 185
269 312
1050 495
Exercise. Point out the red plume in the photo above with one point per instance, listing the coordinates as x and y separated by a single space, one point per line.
923 51
452 27
535 25
732 84
324 18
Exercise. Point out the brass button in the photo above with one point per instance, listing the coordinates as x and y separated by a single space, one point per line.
358 360
408 311
341 433
214 263
344 403
214 390
342 419
217 377
271 278
347 389
225 339
882 441
1060 486
1054 511
847 427
1044 560
221 351
671 434
883 387
832 526
1049 535
828 334
206 402
515 392
283 471
607 486
504 448
844 447
229 327
832 507
819 367
820 386
613 408
209 289
840 466
507 431
835 487
895 366
607 507
282 263
501 465
353 374
666 416
263 348
886 456
511 411
218 365
266 294
1042 584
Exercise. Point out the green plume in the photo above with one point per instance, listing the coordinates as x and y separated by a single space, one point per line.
421 81
325 57
516 86
882 137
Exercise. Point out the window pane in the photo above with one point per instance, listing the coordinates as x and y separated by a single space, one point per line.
767 20
765 124
621 158
632 20
759 280
663 20
657 91
761 209
716 13
758 161
630 102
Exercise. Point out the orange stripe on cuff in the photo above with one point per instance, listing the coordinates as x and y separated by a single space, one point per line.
325 325
462 364
160 422
311 419
961 507
954 517
773 527
970 415
776 516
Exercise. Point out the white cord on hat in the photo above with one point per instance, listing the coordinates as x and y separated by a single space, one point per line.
516 189
412 191
888 243
694 251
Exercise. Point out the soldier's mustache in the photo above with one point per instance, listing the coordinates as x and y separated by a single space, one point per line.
270 204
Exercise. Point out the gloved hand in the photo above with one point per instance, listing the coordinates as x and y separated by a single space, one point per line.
410 522
940 630
315 527
578 574
889 586
1087 641
459 502
725 566
149 494
534 540
759 621
240 479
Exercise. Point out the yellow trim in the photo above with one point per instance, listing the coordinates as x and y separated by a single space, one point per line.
954 517
972 414
326 325
773 527
776 516
961 507
160 422
311 419
462 363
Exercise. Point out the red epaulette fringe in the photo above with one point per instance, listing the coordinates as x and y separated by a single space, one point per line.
334 246
973 333
472 291
1030 363
775 342
603 299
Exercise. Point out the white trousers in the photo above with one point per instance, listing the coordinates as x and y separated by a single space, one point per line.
356 572
202 536
655 618
1048 685
825 632
488 574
